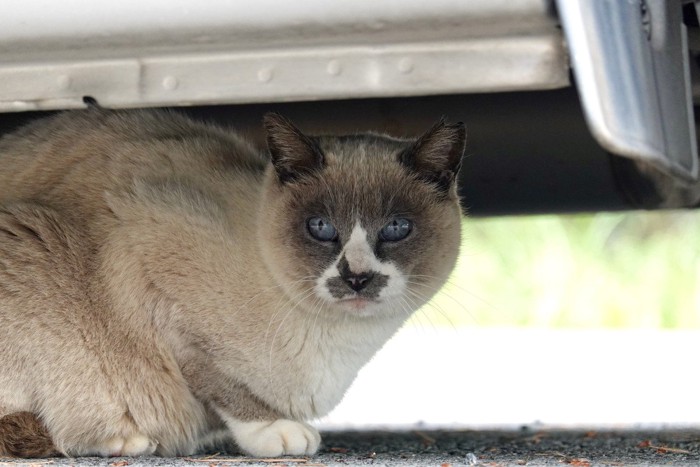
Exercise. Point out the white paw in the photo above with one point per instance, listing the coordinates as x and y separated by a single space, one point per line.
278 438
138 445
135 445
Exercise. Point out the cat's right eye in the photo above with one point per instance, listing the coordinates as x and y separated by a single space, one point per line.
321 229
396 230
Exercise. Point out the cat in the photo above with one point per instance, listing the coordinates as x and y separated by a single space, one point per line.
165 285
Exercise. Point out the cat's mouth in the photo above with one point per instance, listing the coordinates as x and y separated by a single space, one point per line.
358 303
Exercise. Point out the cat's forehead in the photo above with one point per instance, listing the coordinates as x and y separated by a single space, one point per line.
372 146
365 167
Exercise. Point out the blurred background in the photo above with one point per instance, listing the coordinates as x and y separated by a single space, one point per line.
605 270
586 320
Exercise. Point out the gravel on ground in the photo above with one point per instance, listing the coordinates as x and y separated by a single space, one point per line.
450 448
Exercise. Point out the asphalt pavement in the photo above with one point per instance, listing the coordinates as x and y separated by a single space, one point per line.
446 448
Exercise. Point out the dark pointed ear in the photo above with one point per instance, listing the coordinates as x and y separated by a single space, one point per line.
293 153
437 155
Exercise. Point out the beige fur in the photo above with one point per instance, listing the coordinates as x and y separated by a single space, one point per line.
158 286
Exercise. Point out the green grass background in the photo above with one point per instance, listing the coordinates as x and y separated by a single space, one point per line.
605 270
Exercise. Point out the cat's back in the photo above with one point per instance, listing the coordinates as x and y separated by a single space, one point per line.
78 155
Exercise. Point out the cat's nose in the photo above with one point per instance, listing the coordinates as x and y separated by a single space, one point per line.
358 282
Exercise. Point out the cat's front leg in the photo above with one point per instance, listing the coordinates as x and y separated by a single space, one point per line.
274 438
258 429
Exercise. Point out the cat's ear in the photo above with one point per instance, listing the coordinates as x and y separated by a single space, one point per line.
293 153
437 155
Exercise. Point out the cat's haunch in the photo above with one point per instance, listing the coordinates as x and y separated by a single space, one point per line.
164 285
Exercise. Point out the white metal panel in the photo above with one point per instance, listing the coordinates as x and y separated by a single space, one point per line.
146 53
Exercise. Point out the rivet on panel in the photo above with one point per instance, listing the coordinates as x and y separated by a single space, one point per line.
265 75
405 65
334 68
170 83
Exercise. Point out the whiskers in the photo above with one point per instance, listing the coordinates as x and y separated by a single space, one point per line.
420 287
419 302
293 328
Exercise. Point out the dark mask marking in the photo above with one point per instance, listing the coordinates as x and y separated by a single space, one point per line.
364 284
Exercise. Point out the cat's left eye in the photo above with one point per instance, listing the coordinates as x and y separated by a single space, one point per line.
396 230
321 229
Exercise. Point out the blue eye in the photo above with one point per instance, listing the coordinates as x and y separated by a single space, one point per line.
321 229
396 230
